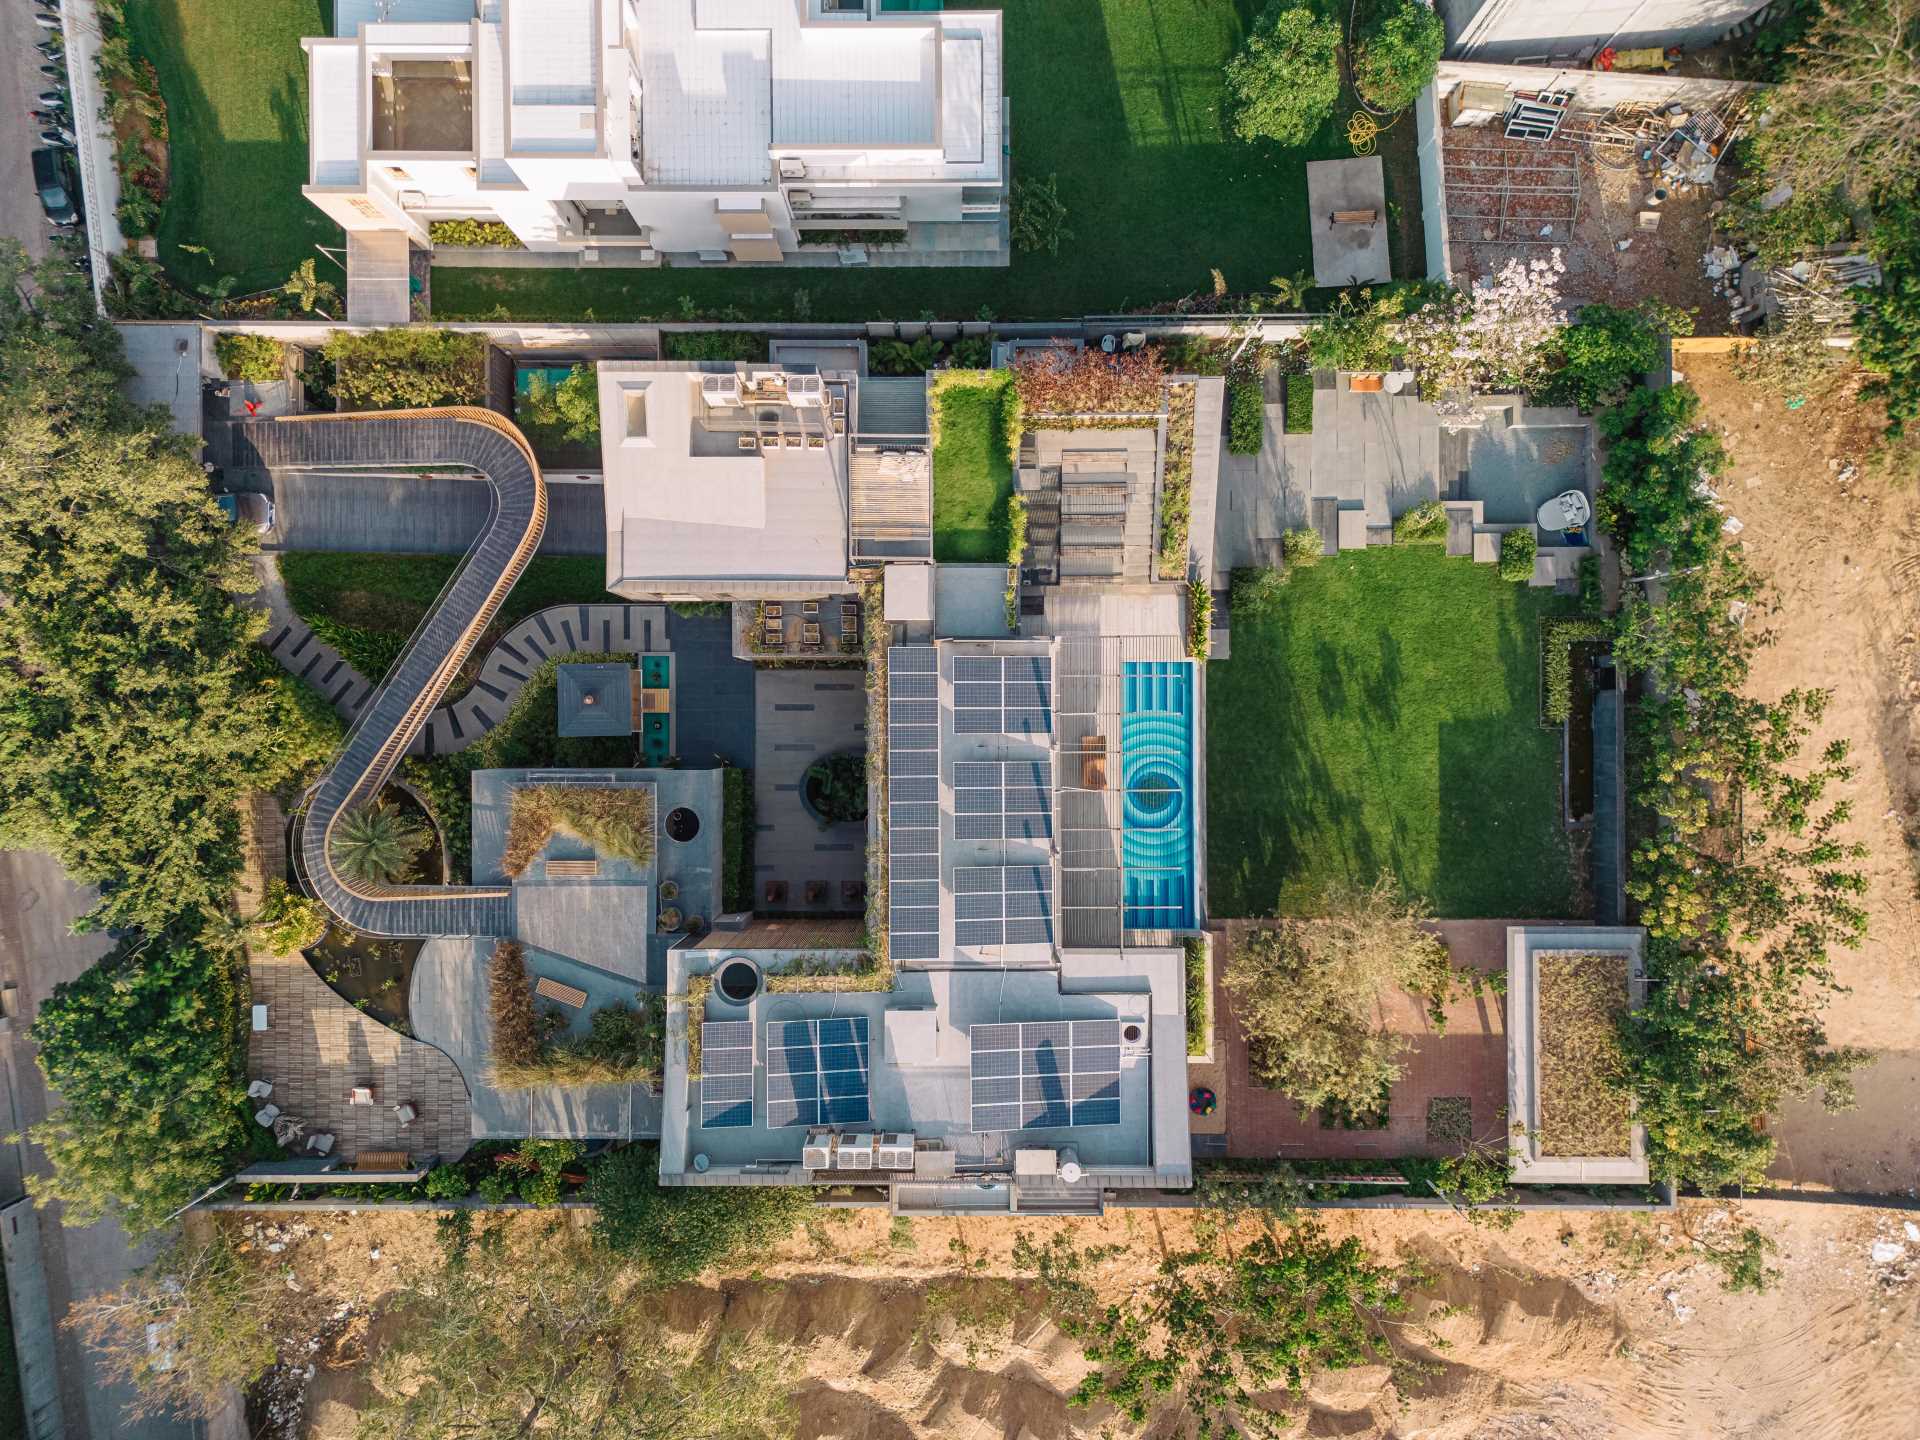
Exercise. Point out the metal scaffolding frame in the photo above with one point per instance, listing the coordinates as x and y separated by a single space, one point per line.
1514 187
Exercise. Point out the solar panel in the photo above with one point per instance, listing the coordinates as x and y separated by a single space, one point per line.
914 947
976 667
914 762
977 907
978 827
913 687
907 659
971 879
818 1071
972 773
726 1074
916 867
1029 932
913 712
905 894
914 817
915 842
913 788
972 694
977 722
1045 1074
976 802
979 932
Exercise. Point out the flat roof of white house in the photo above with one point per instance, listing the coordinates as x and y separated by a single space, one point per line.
687 499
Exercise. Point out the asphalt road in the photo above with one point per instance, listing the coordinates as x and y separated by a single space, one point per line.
20 81
38 905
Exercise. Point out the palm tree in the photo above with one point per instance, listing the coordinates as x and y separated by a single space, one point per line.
1292 289
377 844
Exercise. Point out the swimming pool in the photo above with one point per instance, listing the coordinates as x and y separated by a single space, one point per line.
1156 745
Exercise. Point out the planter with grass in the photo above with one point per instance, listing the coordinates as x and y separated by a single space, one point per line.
834 790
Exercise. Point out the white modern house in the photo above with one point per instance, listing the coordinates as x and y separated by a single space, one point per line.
630 131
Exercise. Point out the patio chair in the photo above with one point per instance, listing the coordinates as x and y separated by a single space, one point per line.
260 1089
266 1115
259 1017
360 1095
320 1144
405 1113
816 892
776 892
852 892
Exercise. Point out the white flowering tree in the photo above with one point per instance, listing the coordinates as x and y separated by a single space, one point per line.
1495 336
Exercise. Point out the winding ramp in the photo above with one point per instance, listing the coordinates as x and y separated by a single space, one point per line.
403 702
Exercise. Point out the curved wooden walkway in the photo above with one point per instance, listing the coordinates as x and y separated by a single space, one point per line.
400 706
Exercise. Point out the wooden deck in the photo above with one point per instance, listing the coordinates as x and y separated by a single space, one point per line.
892 504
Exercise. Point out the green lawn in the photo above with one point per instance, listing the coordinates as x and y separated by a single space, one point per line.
1380 714
972 474
235 82
1122 100
366 606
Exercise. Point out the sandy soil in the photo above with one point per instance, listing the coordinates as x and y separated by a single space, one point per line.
1836 548
1573 1328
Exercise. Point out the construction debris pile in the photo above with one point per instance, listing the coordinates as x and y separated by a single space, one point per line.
1817 288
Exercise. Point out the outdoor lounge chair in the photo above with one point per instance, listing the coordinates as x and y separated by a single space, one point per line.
405 1113
260 1089
360 1095
266 1115
320 1144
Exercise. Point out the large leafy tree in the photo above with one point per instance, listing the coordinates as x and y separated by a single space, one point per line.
1652 501
1888 322
141 1048
676 1232
1284 82
131 712
378 843
1398 54
1307 994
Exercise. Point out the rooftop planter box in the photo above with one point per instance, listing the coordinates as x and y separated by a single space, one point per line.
1566 989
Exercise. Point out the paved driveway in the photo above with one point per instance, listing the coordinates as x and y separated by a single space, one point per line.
20 81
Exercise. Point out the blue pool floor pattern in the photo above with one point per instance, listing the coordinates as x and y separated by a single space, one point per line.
1156 746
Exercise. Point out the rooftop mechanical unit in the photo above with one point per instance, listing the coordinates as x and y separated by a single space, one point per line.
806 391
720 389
817 1153
894 1152
855 1152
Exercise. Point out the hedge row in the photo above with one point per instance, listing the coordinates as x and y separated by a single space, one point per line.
1558 635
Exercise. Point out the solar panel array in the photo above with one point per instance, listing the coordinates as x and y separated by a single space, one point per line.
1048 1074
1002 905
726 1073
913 798
1002 800
1002 695
817 1072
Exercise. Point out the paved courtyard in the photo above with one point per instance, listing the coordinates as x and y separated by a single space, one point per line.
803 716
317 1047
1469 1060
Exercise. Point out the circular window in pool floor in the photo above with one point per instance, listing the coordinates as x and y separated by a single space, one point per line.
682 824
738 980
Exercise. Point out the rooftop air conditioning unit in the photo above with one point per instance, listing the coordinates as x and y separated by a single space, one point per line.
895 1152
855 1152
800 197
792 169
720 389
817 1153
805 390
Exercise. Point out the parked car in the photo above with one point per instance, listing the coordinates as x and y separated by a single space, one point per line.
50 179
248 509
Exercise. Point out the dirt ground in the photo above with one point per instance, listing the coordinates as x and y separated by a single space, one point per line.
1561 1328
1663 264
1839 549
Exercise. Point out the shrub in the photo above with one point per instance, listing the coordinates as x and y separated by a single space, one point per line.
464 233
1198 1002
1558 635
1301 547
679 1231
1254 587
1285 80
1199 620
1176 483
407 368
1517 551
564 414
288 922
833 239
1584 1106
615 820
1657 457
1299 404
736 839
1039 216
696 345
1246 417
1355 335
447 1182
1602 355
516 1030
623 1046
257 358
1424 524
900 357
837 787
1398 54
1089 382
1889 317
